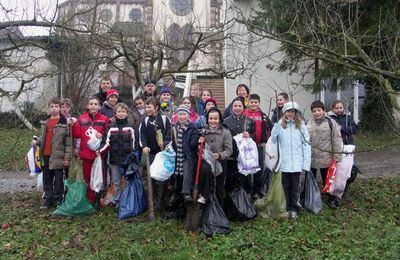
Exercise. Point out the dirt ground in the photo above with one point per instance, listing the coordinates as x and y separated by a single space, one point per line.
383 163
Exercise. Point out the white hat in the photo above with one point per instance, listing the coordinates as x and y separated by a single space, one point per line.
290 105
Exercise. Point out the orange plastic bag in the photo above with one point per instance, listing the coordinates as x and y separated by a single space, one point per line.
109 196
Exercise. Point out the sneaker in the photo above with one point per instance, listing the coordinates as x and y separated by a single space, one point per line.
201 200
332 204
58 203
187 198
287 214
44 206
293 214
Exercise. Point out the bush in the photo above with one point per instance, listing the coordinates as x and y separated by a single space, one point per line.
11 120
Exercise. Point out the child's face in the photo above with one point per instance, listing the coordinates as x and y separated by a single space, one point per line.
113 100
187 103
93 106
213 119
281 101
318 113
65 109
205 95
165 97
54 109
338 109
150 88
183 117
254 104
241 92
150 110
105 85
237 108
209 105
290 114
121 113
139 104
194 91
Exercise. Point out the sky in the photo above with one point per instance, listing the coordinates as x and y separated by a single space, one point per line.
12 10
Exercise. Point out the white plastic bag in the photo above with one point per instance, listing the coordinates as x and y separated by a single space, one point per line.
96 175
33 159
163 165
94 142
248 155
343 172
39 180
272 159
216 167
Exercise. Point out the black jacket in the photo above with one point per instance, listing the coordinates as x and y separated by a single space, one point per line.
120 139
148 131
236 126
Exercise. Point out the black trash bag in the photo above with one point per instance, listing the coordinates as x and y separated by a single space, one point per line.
312 195
238 205
265 177
354 173
174 206
214 220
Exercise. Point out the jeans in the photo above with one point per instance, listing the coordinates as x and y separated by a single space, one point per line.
116 179
53 185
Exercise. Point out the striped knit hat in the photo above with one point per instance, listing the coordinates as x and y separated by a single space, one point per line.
183 108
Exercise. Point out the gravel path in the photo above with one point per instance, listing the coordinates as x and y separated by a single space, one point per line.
373 164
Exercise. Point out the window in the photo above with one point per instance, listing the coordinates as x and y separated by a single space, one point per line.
181 7
106 15
83 15
135 15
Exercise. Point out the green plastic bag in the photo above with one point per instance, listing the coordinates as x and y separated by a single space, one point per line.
75 202
273 205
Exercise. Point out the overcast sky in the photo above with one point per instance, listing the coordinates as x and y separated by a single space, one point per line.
11 10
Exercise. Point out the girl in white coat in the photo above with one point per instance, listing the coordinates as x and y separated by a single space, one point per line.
295 152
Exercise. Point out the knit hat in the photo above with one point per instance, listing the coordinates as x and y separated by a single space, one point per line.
112 92
183 108
148 81
165 89
290 105
213 100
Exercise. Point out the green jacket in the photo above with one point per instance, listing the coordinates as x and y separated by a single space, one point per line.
61 144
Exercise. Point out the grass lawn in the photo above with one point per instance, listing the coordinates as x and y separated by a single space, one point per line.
367 226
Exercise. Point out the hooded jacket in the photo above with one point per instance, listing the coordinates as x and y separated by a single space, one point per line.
347 125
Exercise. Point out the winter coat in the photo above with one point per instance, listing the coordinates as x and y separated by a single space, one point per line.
295 150
263 125
190 140
237 126
145 96
120 139
220 141
321 144
135 118
99 122
198 105
347 126
276 114
148 132
193 117
102 96
61 144
107 110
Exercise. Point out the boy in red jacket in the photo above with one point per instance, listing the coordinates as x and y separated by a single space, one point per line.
91 118
263 131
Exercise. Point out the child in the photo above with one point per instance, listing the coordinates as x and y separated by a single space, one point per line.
154 133
241 91
193 115
120 140
55 142
293 138
220 141
205 94
345 120
66 106
108 106
326 143
195 97
91 118
277 113
167 106
138 111
237 124
186 139
201 122
263 126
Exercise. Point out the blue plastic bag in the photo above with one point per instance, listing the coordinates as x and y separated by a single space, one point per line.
133 199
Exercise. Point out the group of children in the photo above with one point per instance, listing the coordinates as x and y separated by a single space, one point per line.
155 121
